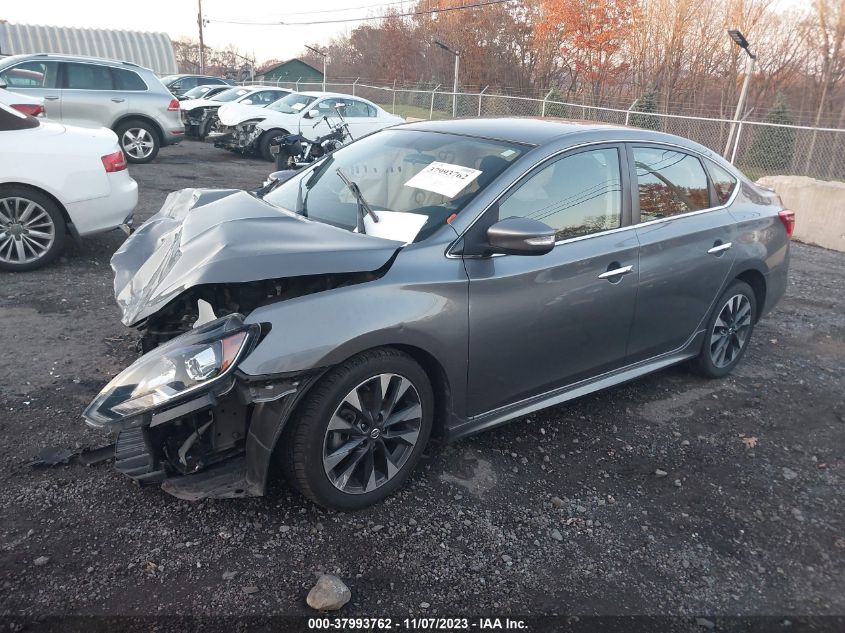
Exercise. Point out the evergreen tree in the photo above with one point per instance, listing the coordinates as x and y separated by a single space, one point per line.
772 147
556 109
645 105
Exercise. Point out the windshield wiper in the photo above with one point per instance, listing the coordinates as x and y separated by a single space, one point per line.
363 206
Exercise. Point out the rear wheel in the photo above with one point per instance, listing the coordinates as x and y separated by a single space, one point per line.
138 140
728 331
360 431
32 229
267 139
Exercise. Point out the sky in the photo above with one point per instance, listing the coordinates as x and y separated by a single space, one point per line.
178 18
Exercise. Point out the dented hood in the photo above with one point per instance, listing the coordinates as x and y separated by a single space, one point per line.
234 113
229 236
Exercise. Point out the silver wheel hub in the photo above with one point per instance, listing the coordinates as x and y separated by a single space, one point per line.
730 331
372 433
26 230
137 142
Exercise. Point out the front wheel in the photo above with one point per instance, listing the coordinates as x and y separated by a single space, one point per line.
272 137
360 431
728 331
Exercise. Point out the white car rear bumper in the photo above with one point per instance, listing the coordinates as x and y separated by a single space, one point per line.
109 212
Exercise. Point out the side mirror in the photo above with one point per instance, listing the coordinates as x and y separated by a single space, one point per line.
247 101
521 236
312 114
3 85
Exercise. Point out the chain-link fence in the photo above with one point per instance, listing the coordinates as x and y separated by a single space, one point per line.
758 148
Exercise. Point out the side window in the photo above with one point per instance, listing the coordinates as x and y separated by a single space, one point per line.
127 80
263 98
669 182
355 109
371 111
87 77
723 182
31 75
576 195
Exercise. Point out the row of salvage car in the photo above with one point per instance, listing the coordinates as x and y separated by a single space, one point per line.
252 119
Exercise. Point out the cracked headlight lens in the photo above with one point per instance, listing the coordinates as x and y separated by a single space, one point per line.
189 363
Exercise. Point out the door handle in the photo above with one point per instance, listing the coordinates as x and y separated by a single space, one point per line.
51 97
118 99
720 248
617 272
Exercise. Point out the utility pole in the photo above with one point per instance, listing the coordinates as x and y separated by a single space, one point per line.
202 45
322 54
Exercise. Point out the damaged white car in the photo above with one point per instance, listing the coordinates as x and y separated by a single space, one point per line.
253 130
200 115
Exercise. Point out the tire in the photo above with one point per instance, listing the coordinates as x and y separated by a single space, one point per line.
207 126
266 140
316 460
139 140
32 229
729 329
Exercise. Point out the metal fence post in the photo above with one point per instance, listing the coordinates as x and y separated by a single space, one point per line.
630 107
393 110
297 84
736 141
481 94
548 94
353 86
431 109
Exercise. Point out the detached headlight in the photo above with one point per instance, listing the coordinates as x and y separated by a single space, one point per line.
197 360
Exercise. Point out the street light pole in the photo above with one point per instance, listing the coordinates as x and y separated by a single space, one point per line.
750 62
457 55
322 54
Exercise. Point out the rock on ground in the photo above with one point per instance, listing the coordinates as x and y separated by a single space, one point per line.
329 594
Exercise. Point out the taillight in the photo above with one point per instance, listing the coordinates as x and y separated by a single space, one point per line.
788 219
32 109
114 162
174 105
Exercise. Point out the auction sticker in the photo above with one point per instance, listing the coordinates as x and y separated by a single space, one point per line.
444 178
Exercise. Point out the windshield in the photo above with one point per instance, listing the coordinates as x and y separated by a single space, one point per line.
199 91
230 95
291 104
414 181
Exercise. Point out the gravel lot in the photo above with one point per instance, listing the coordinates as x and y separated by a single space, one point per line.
561 512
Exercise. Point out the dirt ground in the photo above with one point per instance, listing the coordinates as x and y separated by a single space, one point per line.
560 512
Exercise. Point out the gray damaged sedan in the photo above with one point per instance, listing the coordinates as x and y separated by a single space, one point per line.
435 278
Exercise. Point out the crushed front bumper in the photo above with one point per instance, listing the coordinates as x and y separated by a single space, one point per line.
211 447
237 138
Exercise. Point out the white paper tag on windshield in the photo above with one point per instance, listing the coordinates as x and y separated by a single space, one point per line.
393 225
444 178
297 106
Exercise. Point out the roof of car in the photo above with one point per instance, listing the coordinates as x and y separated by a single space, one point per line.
336 95
540 131
69 57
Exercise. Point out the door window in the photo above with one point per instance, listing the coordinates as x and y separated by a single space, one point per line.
87 77
127 80
723 183
576 195
31 75
669 183
356 109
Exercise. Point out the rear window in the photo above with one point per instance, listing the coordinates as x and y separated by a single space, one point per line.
88 77
36 74
127 80
723 182
669 183
11 119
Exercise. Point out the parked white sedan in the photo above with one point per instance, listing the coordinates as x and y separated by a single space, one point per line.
246 129
200 115
57 180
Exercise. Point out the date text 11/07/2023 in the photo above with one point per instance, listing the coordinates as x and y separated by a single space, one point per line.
417 624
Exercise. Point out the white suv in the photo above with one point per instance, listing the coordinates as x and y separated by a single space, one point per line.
93 92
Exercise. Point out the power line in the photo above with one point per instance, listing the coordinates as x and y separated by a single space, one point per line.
379 17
